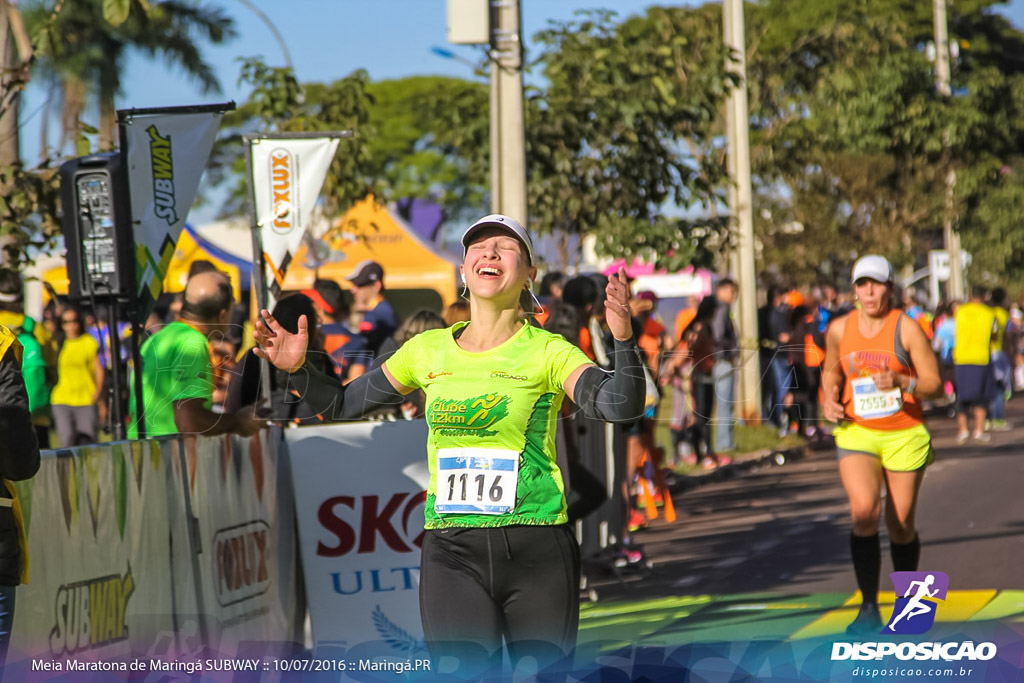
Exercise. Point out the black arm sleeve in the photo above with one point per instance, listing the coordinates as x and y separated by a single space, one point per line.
328 397
617 396
19 450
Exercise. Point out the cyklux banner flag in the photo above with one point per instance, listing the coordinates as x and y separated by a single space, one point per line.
167 150
287 174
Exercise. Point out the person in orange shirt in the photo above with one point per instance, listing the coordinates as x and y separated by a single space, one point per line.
685 316
878 368
653 337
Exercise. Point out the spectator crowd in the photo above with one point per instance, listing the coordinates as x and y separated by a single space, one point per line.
200 374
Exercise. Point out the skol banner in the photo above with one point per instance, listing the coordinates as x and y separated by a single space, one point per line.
287 174
360 491
167 154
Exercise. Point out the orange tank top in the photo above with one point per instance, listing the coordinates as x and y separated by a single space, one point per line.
862 357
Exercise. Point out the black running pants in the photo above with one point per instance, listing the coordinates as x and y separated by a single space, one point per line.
517 583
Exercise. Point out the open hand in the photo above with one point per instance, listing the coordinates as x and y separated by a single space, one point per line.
616 306
831 408
284 350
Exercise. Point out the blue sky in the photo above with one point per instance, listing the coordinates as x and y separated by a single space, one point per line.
329 39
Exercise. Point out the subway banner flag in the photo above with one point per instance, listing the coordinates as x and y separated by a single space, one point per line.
287 174
167 153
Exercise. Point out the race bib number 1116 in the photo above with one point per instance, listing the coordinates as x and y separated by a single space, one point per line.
476 480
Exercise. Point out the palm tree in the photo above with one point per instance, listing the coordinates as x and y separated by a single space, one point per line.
85 54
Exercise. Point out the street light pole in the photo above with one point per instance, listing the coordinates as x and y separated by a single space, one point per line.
508 137
950 237
741 207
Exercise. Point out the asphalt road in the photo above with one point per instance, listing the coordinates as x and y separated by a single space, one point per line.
784 529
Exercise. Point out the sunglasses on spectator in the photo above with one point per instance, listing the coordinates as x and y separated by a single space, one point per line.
68 321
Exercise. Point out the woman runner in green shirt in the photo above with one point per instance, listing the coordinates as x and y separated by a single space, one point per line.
498 558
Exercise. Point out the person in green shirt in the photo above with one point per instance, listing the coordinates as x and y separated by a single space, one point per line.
39 352
177 373
499 562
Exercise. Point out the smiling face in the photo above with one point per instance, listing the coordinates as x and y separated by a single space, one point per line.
496 267
874 296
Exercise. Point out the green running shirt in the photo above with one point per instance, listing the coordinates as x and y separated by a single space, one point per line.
175 366
491 418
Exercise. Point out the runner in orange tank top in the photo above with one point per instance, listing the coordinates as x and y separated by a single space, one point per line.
878 365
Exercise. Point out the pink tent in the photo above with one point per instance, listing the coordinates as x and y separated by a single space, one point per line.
638 267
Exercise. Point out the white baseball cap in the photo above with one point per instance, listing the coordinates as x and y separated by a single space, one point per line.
506 223
874 267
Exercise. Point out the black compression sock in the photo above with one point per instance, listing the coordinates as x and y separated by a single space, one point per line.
905 556
867 565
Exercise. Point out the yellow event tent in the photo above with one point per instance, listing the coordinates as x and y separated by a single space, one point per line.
415 273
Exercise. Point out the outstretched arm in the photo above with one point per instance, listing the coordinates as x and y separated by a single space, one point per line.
322 393
328 397
617 396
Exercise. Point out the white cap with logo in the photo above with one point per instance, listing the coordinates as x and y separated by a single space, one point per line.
874 267
507 224
528 301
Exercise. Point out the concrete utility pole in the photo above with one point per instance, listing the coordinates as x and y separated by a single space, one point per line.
508 137
741 206
950 237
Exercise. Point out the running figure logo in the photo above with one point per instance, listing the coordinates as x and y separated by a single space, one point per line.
914 613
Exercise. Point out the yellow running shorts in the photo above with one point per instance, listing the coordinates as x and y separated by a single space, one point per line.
900 450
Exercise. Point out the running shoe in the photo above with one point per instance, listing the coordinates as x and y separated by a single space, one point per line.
628 557
868 621
1001 426
982 437
637 521
709 463
962 437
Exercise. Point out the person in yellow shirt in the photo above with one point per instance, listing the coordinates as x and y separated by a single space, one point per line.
80 384
972 364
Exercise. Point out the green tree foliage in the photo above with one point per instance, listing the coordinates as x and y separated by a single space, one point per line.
432 139
80 47
279 103
621 142
422 136
83 52
853 143
621 139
